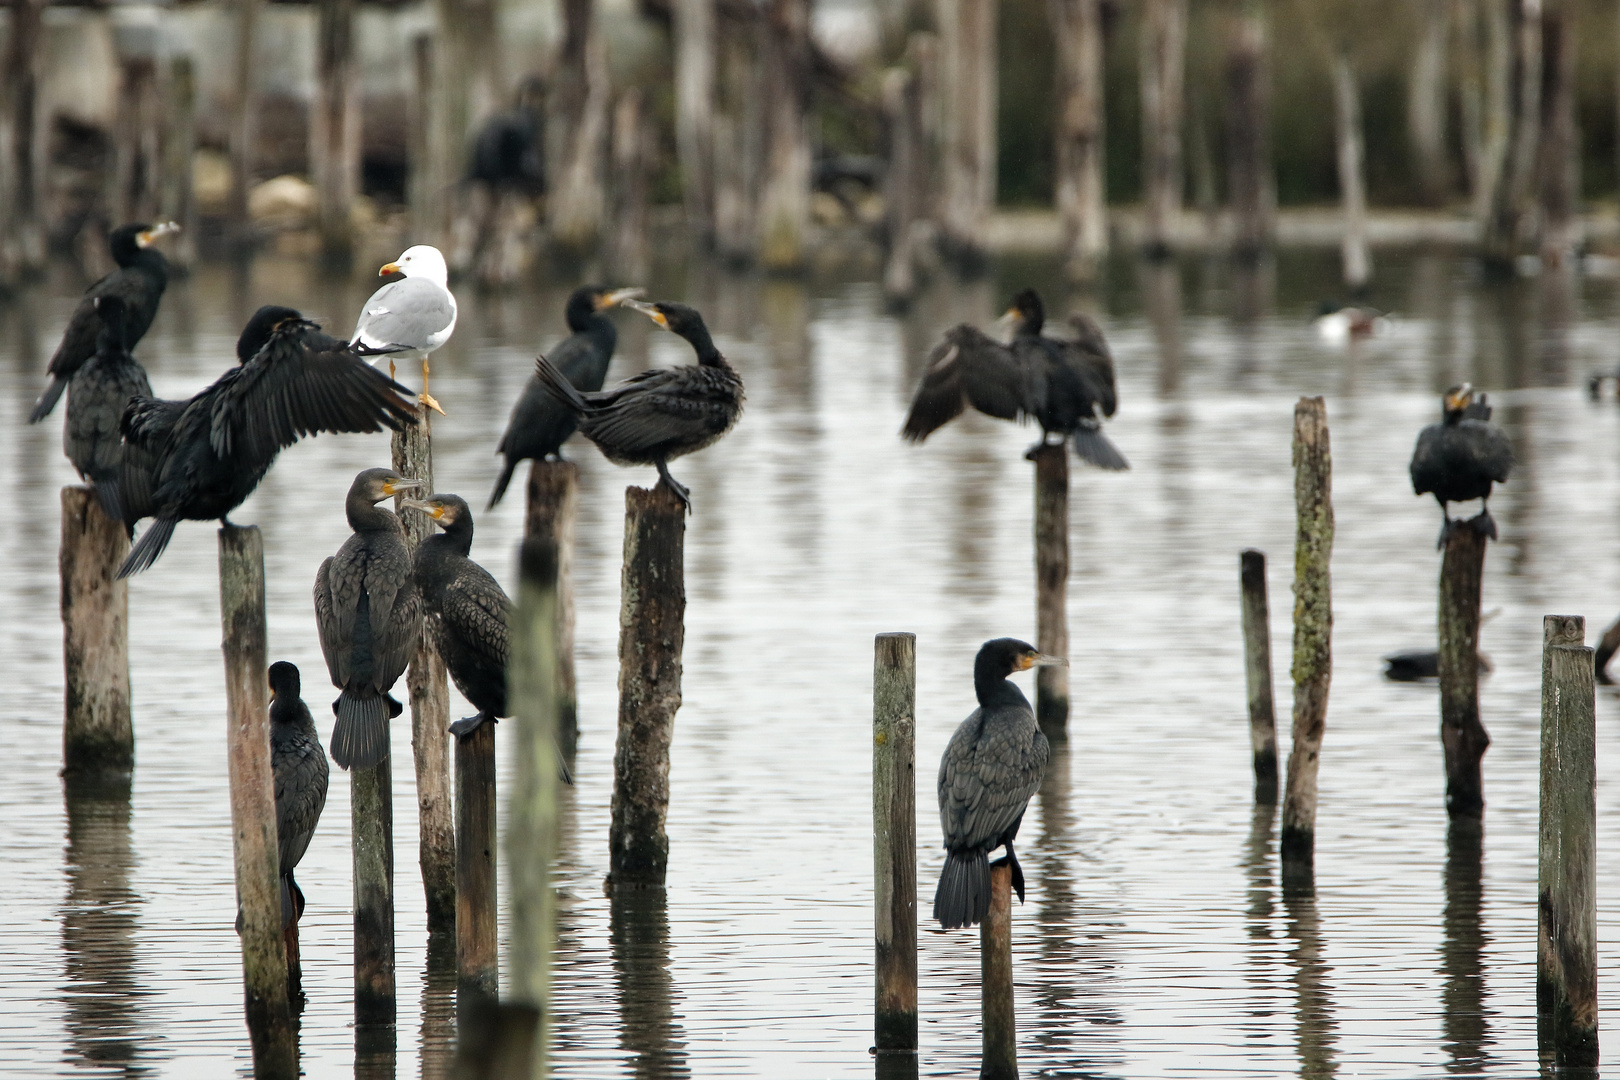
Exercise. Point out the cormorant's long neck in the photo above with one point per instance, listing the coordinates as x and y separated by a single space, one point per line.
1454 416
456 538
151 262
993 689
1030 326
703 344
602 333
365 516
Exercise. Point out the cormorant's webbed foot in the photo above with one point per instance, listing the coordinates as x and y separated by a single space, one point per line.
469 724
1011 859
1046 440
675 486
1484 524
1445 530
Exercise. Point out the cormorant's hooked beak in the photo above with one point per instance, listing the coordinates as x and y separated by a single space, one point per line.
649 310
1009 317
389 268
432 510
1040 659
156 232
617 297
1458 400
395 486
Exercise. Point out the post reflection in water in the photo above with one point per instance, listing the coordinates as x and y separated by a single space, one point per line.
102 994
639 933
1161 297
1261 906
374 1051
439 1005
1463 1020
1314 1025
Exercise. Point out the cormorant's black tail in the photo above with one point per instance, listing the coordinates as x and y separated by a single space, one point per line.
360 736
1091 445
963 896
500 484
560 388
149 547
112 503
47 401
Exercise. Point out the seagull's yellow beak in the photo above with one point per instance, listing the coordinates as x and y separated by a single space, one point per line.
388 268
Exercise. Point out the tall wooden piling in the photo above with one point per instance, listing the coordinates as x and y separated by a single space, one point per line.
1257 674
477 964
253 800
1052 583
1077 30
1313 633
651 634
1163 67
553 506
334 129
371 822
1462 735
894 840
1000 1055
97 733
1566 952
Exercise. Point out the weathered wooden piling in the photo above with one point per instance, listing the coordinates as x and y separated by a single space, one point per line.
1163 67
894 840
967 31
334 129
531 836
253 800
477 964
97 733
1566 952
1000 1055
651 633
371 822
1257 674
553 506
1313 633
1077 32
1052 583
1462 735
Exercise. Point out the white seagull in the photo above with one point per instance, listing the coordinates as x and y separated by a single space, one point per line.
414 316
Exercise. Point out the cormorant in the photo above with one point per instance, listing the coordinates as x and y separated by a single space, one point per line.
991 767
369 616
97 397
410 318
198 460
663 413
1461 457
139 281
299 765
540 423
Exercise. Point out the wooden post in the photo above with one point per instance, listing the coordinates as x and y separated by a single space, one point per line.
696 46
894 840
1000 1055
477 966
253 800
371 821
1249 183
784 194
1313 633
429 691
1608 645
334 130
1257 673
634 151
1052 583
22 144
179 147
651 634
1461 734
243 122
1352 185
531 838
1566 960
1080 188
553 506
1426 102
97 733
1163 66
579 115
968 42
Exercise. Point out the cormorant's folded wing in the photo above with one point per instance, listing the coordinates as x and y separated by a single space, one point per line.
477 611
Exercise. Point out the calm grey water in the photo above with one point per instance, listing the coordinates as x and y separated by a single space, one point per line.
1155 940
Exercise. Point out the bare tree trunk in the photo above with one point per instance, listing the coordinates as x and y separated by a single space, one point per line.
579 117
334 130
1352 189
1559 165
1079 181
179 147
1164 62
244 125
738 128
1249 182
902 175
466 81
696 46
1426 104
633 149
784 198
138 135
968 41
1504 220
22 235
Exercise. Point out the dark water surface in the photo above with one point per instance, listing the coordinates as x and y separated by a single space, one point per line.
1155 940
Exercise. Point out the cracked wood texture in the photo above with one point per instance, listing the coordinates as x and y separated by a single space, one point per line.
98 735
1313 624
1462 735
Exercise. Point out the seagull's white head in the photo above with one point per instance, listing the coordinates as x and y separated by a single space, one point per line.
421 261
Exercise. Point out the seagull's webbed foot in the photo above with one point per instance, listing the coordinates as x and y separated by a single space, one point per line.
427 398
469 724
675 486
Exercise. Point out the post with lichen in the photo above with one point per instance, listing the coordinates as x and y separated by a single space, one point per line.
1257 673
1462 735
894 840
97 733
1313 634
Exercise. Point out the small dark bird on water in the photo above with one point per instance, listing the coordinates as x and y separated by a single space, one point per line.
97 397
369 616
660 414
991 767
198 460
1461 457
1063 383
541 423
139 281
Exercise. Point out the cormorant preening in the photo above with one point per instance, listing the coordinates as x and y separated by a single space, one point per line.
540 423
663 413
299 765
97 397
410 318
1063 383
1461 457
198 460
139 281
369 617
991 767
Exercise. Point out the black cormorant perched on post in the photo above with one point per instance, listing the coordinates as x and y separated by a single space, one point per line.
299 765
139 281
97 398
991 767
197 460
540 423
663 413
369 617
1461 457
1063 383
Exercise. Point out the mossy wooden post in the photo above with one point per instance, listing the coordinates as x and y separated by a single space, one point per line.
253 800
477 965
1257 673
553 506
1000 1055
371 822
531 836
1313 634
1052 583
1462 735
97 733
894 840
429 692
651 633
1566 939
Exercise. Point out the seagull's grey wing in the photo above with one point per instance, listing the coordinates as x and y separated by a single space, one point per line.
406 312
